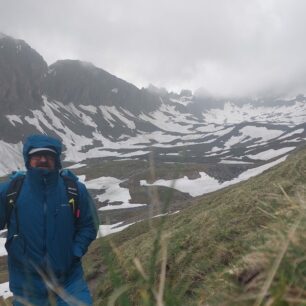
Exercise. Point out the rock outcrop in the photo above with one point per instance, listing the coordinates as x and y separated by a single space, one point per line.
22 71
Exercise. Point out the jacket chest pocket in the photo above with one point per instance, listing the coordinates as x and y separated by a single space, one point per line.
63 220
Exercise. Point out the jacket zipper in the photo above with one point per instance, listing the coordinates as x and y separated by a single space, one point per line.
45 219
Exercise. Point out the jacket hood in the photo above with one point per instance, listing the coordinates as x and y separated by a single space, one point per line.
42 141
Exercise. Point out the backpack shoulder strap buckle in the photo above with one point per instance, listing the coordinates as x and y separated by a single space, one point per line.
72 193
12 194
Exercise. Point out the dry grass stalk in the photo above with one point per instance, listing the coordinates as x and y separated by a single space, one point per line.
162 279
116 294
284 247
52 285
140 268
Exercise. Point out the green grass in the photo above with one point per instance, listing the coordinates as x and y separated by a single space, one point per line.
239 246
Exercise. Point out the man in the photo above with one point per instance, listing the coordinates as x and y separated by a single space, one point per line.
49 230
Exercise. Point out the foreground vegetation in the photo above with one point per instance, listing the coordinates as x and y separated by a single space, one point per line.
244 245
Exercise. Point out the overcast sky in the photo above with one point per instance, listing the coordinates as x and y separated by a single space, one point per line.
227 47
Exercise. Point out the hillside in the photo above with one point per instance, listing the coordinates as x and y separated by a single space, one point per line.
243 245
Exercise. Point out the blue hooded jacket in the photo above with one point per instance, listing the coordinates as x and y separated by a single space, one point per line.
50 239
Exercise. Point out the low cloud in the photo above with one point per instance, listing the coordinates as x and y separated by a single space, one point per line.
227 47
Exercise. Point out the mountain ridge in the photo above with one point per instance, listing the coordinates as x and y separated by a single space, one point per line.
83 83
233 138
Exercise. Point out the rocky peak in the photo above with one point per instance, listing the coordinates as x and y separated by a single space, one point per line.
83 83
79 82
159 91
22 70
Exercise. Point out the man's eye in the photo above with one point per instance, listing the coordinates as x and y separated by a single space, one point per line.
49 157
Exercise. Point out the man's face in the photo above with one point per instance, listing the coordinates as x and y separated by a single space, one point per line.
43 160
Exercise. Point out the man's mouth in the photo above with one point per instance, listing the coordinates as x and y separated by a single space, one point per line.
43 166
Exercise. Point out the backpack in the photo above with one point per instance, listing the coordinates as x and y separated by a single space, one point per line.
14 189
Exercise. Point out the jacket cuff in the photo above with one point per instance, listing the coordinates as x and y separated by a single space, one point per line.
77 251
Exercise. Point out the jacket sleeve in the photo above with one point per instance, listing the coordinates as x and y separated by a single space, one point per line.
3 188
87 224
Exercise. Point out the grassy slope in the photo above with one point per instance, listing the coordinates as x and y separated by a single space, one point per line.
219 251
132 171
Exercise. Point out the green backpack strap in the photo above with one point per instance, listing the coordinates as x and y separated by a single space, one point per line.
73 195
12 194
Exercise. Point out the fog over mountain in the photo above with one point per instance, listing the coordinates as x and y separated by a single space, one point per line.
228 48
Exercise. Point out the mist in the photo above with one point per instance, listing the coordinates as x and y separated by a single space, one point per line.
228 48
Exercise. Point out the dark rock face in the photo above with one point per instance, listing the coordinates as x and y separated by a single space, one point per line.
22 70
25 78
83 83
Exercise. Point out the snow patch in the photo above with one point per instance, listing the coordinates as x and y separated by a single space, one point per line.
298 131
105 230
206 184
238 162
89 108
109 112
82 178
113 193
271 153
252 132
182 100
167 118
3 251
5 290
223 132
14 118
234 114
76 166
11 154
209 128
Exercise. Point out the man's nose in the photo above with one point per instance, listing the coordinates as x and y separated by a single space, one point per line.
43 158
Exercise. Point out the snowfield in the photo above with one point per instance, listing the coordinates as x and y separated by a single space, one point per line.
5 290
269 154
216 130
11 157
2 247
113 193
206 184
233 114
